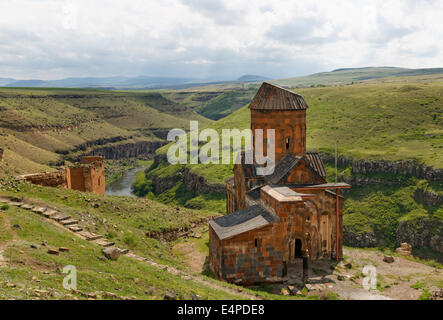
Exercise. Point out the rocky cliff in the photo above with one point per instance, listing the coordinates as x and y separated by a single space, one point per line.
192 181
423 232
145 149
404 167
428 198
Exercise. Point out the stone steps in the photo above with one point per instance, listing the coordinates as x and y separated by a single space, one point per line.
60 217
89 236
69 222
27 206
39 210
104 243
15 203
50 213
75 228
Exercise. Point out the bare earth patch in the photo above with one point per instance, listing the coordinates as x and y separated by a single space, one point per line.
191 255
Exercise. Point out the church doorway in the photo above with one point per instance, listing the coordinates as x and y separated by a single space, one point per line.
298 249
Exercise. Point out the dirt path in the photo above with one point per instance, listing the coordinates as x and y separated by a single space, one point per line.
6 225
193 258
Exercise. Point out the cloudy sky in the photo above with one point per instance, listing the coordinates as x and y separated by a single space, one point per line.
217 39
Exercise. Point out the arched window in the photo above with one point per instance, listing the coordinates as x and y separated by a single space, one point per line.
287 143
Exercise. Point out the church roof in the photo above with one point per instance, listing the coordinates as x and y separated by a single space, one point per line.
316 162
245 220
284 194
271 97
282 168
290 160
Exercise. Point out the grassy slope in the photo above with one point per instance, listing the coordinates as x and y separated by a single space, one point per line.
123 220
35 123
214 104
125 277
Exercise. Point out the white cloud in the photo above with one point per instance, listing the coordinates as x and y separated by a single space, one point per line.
58 38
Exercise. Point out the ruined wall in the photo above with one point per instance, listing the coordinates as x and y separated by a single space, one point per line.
86 177
48 179
289 124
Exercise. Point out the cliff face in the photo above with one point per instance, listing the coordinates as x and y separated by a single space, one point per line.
427 198
192 181
404 167
128 150
423 232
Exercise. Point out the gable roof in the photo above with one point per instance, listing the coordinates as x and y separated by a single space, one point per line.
316 163
271 97
248 219
289 161
282 168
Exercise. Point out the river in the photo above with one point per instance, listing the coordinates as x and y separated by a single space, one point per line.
122 185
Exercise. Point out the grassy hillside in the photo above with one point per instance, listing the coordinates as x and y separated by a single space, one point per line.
354 75
373 121
38 125
33 273
214 104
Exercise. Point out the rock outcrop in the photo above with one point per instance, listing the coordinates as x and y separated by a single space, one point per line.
359 240
422 232
193 181
405 249
128 150
403 167
428 198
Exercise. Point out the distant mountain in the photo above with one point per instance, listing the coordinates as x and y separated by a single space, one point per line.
5 81
252 78
334 77
349 75
141 82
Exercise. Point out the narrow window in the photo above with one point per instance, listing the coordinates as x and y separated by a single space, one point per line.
256 243
287 144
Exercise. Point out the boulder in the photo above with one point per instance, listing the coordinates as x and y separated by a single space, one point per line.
405 249
112 253
52 251
170 295
388 259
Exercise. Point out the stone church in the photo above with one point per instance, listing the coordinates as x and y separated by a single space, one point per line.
274 220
